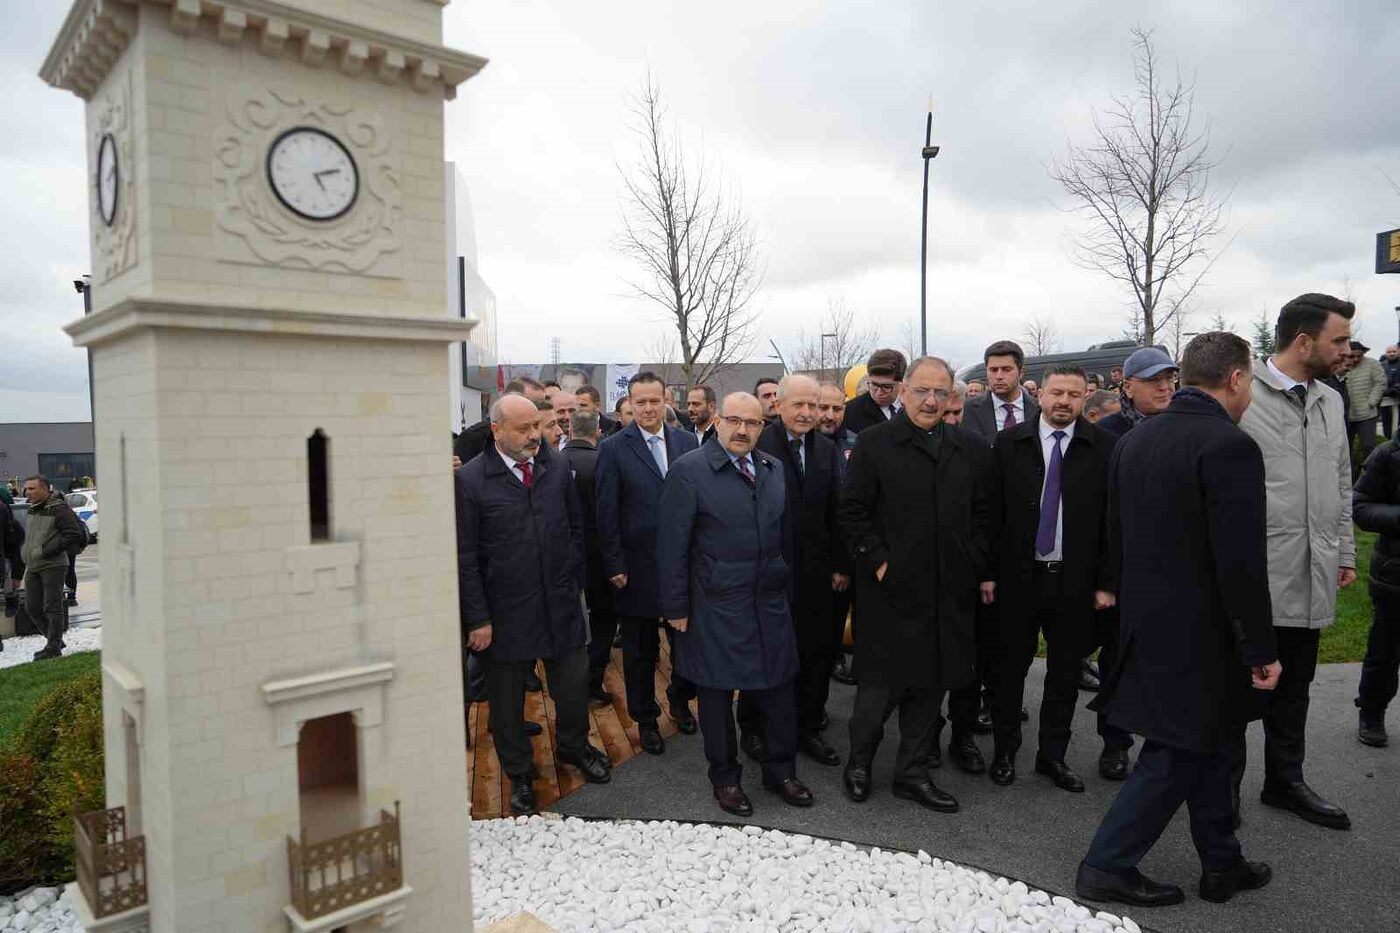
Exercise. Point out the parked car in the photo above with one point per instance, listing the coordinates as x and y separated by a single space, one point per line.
84 503
1099 358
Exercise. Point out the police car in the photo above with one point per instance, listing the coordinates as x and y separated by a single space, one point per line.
84 503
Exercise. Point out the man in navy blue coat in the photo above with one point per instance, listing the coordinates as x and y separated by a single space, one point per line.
1187 526
724 590
632 465
520 569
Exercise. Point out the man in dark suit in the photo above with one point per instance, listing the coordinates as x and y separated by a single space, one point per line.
1187 512
914 512
700 407
520 562
1005 404
1049 497
883 371
817 569
632 466
590 399
582 453
724 590
766 391
476 438
831 418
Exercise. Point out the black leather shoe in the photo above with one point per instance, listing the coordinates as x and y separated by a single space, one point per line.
1219 886
596 767
1304 801
842 673
649 737
793 791
522 798
1003 769
817 749
683 718
732 799
983 724
599 696
1371 729
1089 679
1060 773
532 682
72 600
855 780
1113 764
926 794
754 746
533 728
1133 888
964 753
47 654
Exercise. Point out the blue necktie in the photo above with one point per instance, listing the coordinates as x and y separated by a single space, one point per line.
1050 499
656 453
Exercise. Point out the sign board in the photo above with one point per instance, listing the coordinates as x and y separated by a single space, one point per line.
1388 251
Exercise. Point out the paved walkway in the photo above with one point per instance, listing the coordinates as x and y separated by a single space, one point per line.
1324 880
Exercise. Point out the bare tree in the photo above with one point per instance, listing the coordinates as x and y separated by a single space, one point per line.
841 344
693 246
1143 182
1041 336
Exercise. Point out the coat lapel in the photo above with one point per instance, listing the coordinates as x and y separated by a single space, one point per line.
638 444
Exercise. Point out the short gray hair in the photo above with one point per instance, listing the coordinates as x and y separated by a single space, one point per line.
923 361
785 383
959 389
583 424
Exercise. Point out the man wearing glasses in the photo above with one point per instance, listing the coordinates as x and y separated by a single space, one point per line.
884 369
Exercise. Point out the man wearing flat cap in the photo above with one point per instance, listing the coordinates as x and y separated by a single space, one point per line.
1149 379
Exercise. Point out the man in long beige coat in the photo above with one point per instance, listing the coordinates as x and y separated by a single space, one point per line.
1299 424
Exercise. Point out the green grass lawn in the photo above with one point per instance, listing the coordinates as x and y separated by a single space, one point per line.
1346 640
22 686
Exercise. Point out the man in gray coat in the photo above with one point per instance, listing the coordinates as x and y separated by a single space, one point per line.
1366 384
53 531
1311 548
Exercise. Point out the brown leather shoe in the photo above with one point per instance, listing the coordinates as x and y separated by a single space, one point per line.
793 791
732 799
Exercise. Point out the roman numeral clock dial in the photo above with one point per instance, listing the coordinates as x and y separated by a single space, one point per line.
312 173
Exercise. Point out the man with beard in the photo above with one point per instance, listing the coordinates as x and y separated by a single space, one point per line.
700 406
831 415
766 389
724 590
1300 426
520 563
1048 505
476 438
914 512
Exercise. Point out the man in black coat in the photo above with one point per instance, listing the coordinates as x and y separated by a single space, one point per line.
1005 404
590 399
477 437
914 512
1375 506
520 565
1048 505
632 467
724 590
582 453
816 567
884 371
1186 503
831 417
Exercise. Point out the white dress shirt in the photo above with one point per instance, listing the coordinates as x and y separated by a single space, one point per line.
891 409
514 467
1047 447
1285 380
999 410
647 436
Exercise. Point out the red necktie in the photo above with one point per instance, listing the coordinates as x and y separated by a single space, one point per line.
526 474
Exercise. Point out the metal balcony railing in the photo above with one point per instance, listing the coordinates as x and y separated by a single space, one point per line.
346 870
111 867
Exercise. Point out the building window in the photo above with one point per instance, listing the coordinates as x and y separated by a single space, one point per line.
64 470
318 484
328 777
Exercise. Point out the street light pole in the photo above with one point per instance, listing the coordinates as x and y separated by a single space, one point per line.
929 153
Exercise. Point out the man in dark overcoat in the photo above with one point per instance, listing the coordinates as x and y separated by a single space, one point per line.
724 590
520 566
632 466
914 512
1186 498
880 403
817 566
581 452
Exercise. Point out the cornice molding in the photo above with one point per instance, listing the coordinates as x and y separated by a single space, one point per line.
96 32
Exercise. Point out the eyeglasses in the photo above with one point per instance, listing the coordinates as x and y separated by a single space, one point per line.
919 392
734 421
883 386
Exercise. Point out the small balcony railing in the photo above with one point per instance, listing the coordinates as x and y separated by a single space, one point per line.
111 867
346 870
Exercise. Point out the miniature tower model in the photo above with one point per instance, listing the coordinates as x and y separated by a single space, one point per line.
281 657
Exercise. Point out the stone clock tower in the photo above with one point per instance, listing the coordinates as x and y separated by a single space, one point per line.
281 658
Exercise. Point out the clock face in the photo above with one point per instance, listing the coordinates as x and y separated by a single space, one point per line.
107 178
312 173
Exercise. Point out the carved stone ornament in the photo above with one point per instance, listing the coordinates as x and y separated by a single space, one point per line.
256 228
114 245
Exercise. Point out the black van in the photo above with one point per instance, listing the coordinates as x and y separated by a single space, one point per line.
1099 358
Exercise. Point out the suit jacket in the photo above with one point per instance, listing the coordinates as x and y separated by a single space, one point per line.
1187 513
720 551
979 418
928 518
709 433
1018 473
582 458
520 557
863 413
628 485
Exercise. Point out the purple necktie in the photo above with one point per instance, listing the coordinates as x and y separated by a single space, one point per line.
1010 421
744 470
1050 499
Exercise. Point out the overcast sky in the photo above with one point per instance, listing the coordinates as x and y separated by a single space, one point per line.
815 115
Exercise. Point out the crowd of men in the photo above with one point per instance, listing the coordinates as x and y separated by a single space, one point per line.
954 525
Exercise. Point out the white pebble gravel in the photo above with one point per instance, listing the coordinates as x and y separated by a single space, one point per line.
20 649
38 910
659 876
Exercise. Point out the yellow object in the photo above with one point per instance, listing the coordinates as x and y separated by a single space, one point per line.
854 375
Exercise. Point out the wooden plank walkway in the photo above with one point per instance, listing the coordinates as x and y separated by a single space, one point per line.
610 729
